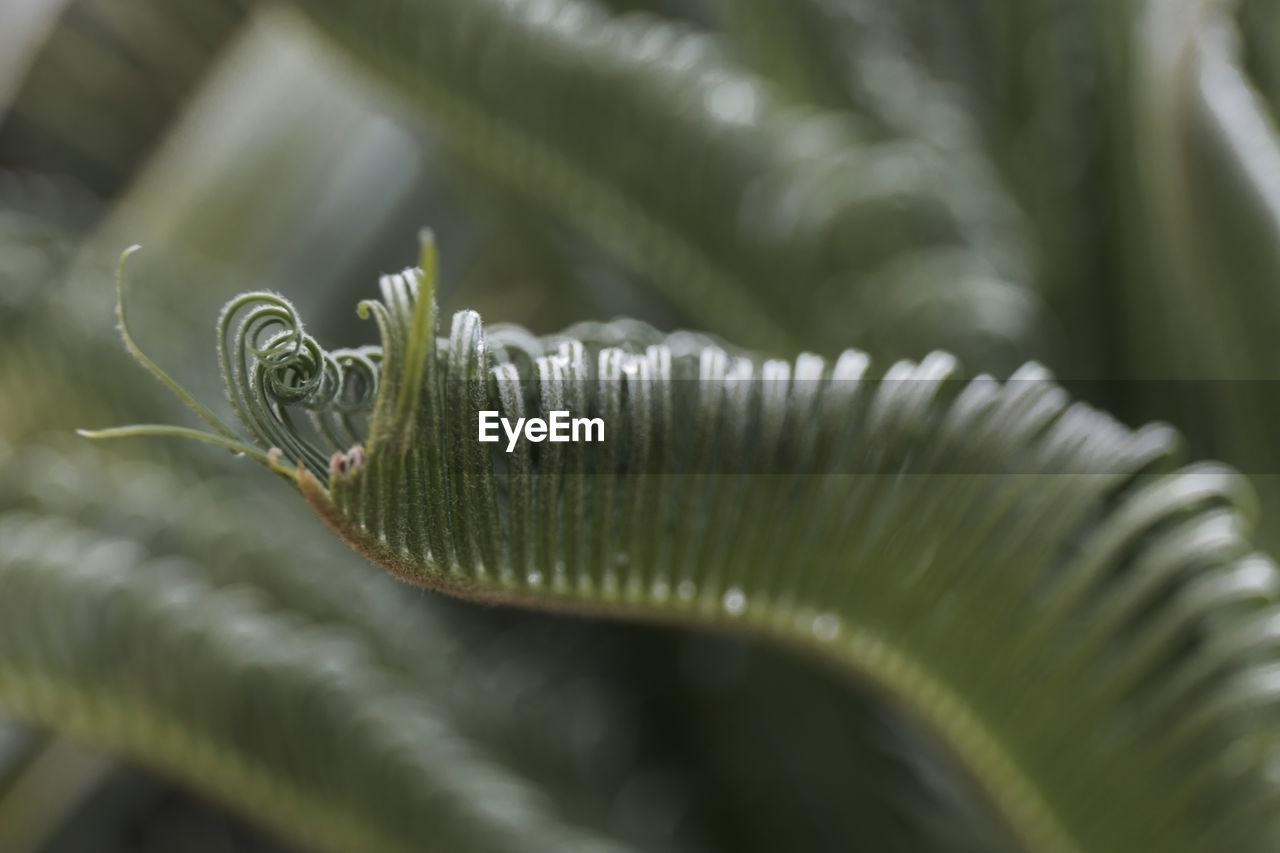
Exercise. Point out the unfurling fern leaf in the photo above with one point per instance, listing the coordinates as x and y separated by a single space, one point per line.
1081 621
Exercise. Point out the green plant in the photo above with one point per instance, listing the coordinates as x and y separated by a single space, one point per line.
1096 622
1019 623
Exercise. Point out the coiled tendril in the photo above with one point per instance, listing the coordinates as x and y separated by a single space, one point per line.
271 365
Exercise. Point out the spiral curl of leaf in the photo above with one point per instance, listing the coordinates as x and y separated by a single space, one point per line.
271 365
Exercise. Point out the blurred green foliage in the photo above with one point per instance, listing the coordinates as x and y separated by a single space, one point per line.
1088 184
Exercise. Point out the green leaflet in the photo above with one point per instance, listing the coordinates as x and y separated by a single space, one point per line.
1082 622
785 42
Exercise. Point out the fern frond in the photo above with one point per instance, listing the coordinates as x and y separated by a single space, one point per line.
1084 623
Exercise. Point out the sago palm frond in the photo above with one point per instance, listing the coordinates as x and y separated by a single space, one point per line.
1082 621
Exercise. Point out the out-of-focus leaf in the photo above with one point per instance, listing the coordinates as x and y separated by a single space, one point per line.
724 192
547 718
106 80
